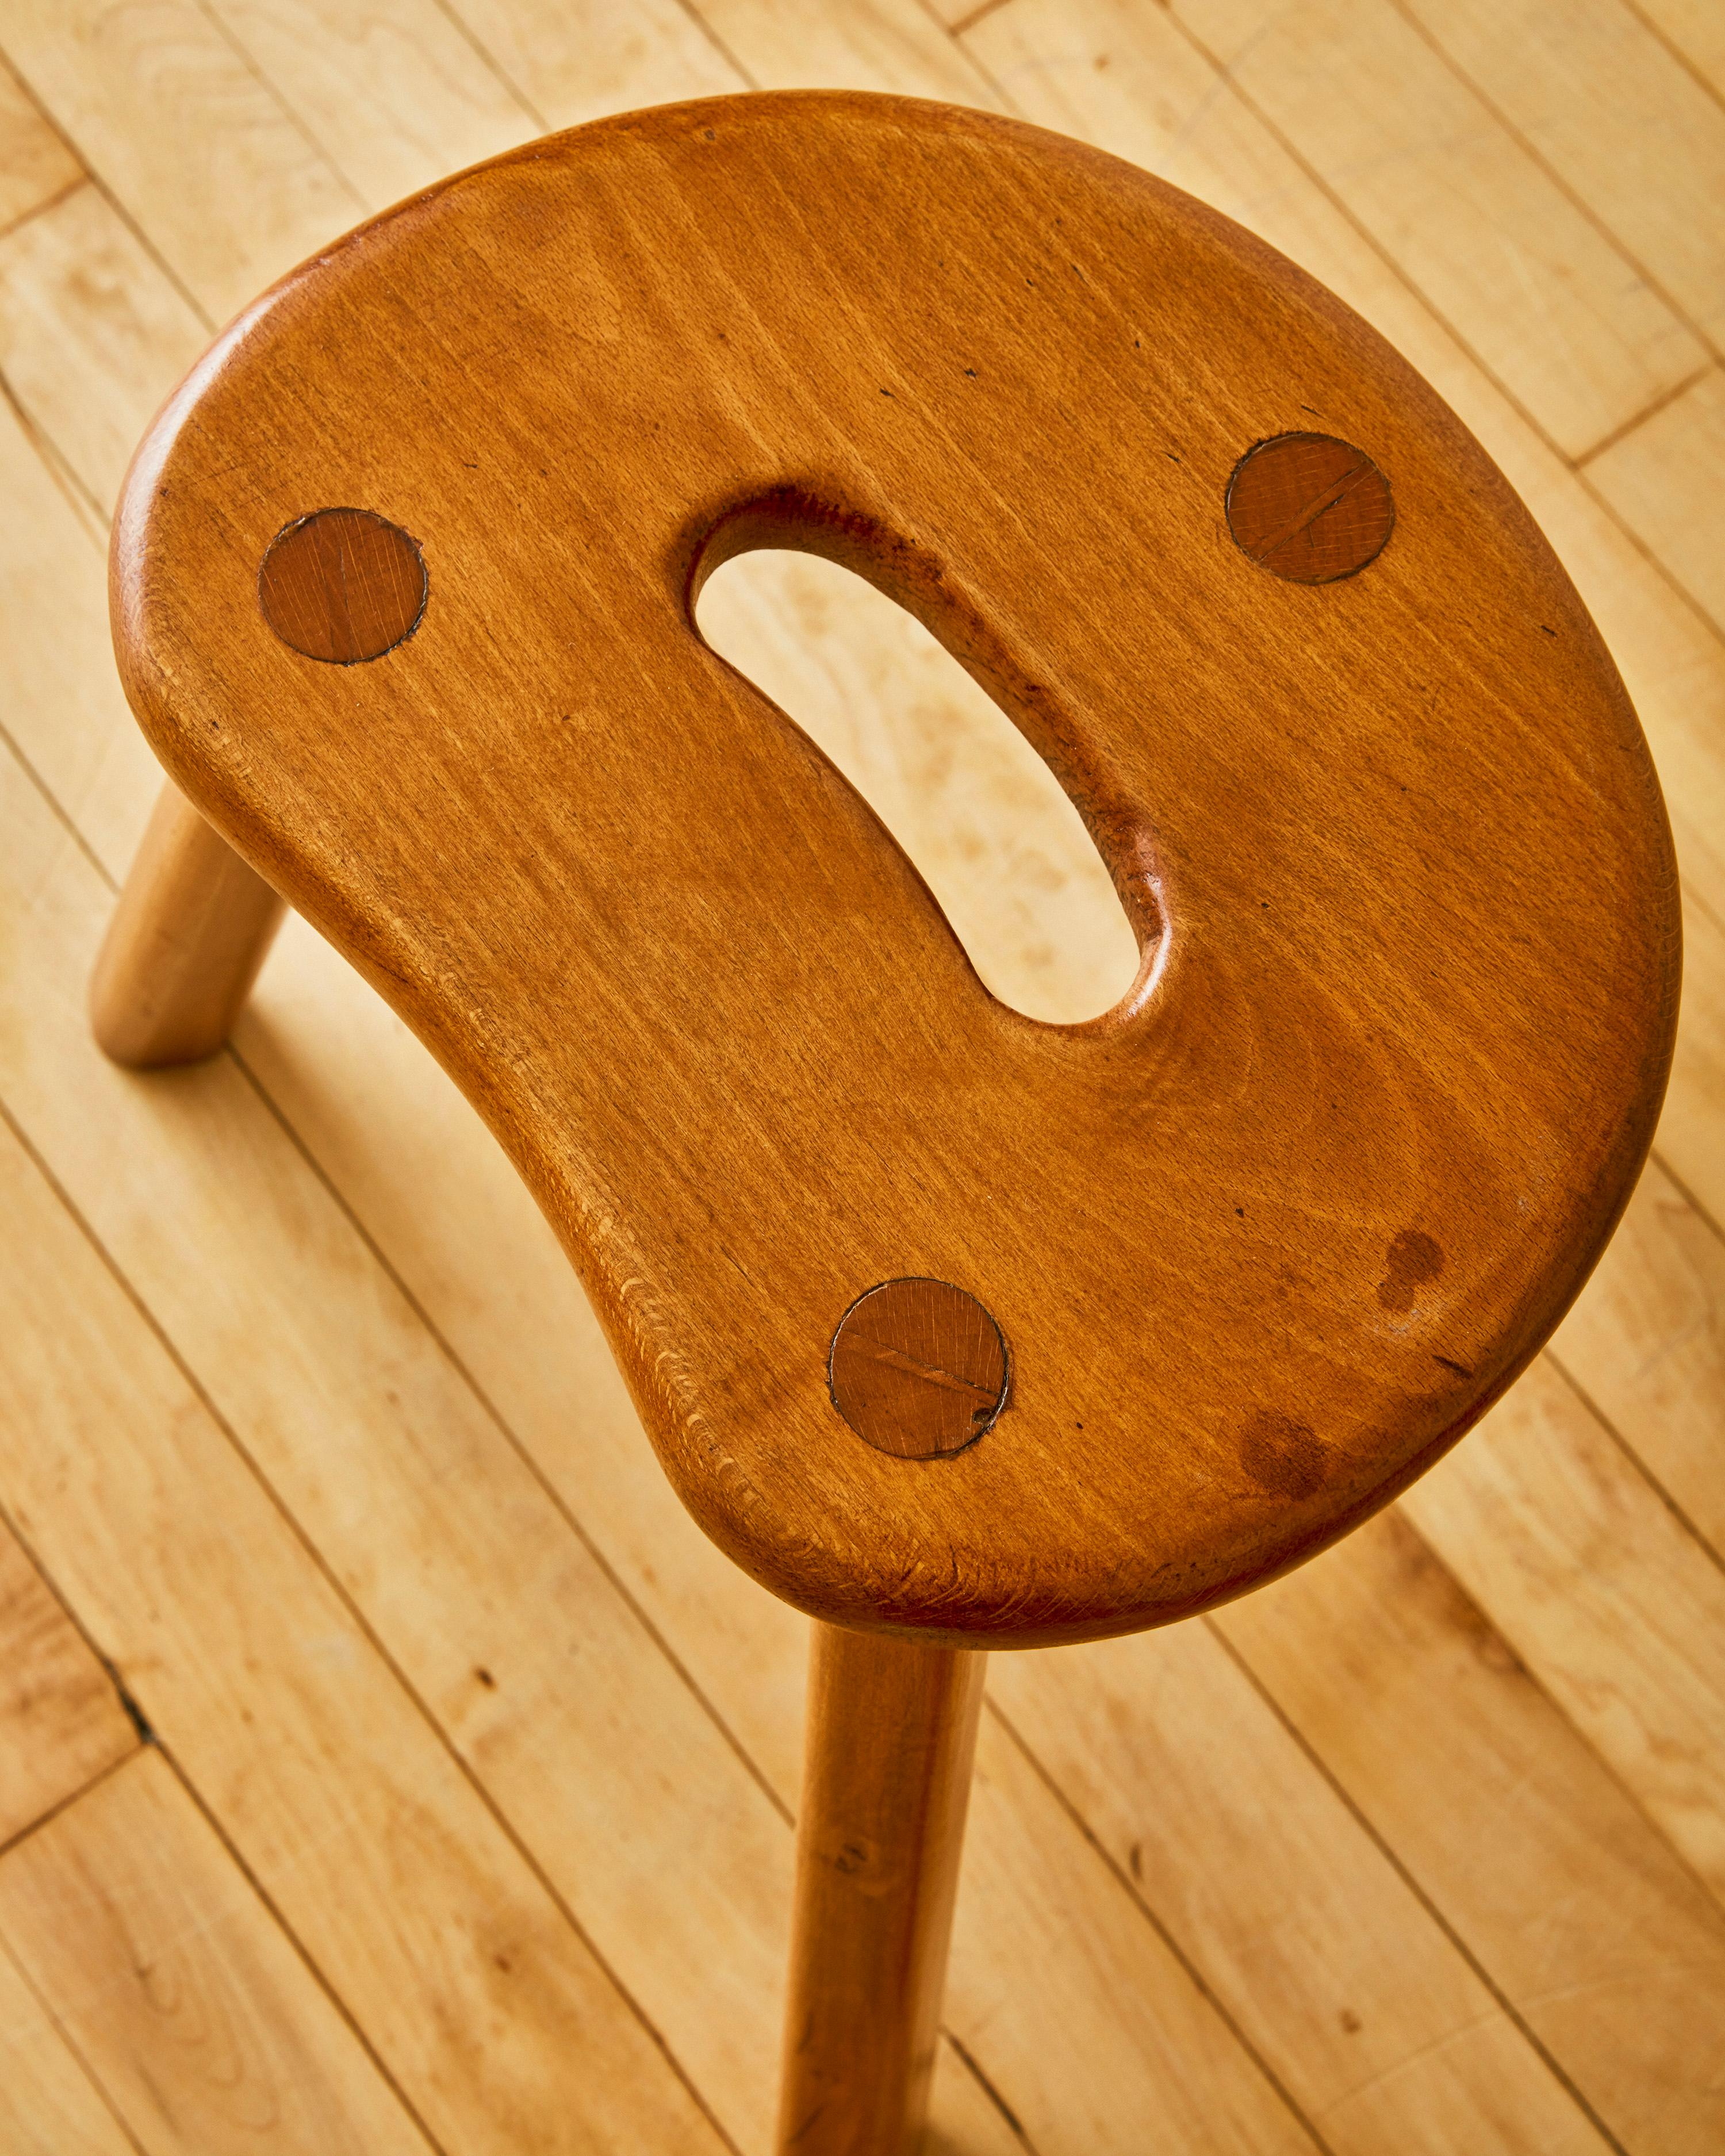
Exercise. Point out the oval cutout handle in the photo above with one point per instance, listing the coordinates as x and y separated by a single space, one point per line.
984 819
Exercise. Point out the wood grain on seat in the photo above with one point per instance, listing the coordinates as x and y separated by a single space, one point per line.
1262 1241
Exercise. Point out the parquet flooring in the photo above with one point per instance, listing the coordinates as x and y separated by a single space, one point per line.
385 1762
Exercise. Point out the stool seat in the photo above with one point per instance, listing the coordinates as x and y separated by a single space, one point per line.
1169 1300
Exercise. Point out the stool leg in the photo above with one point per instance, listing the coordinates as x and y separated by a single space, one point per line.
886 1781
190 929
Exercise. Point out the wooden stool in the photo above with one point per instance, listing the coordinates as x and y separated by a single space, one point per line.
957 1330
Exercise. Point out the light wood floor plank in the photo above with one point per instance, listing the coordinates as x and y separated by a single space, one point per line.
203 153
49 2105
93 334
1623 125
574 60
1122 2054
35 166
892 45
1618 1610
64 708
196 2015
1692 1130
1693 31
1380 2031
61 1722
395 93
1549 304
1576 1908
486 2007
1645 1342
1665 478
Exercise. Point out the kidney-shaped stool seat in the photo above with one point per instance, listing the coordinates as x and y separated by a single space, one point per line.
945 1322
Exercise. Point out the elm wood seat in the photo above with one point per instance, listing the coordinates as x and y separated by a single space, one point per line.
1193 1288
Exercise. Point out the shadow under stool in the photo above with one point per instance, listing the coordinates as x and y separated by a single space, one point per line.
957 1330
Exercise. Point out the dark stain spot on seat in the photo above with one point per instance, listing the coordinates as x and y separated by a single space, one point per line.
1282 1455
1414 1259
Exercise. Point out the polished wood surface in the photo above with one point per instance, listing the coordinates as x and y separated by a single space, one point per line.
1365 1860
892 1728
1263 1240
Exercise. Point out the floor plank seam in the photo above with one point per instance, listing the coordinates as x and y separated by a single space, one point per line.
1009 104
717 43
279 1918
1651 554
1506 2005
1662 403
1714 1556
66 1804
84 504
1014 2123
75 2050
1695 1203
1656 30
1134 1893
492 64
970 21
41 209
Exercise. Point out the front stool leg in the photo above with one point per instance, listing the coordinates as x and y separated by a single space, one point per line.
885 1780
193 926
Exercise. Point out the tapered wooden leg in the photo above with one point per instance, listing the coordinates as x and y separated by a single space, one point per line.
192 928
886 1782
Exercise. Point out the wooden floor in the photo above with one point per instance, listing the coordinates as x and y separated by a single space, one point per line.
385 1762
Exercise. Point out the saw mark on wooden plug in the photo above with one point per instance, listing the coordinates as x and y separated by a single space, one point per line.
918 1369
1309 508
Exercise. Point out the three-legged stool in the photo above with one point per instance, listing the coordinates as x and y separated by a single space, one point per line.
957 1330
